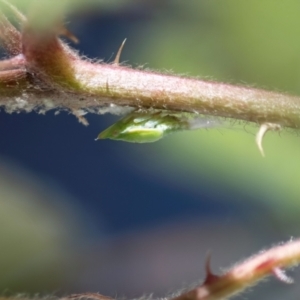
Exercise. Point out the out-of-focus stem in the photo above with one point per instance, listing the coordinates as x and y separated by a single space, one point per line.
247 273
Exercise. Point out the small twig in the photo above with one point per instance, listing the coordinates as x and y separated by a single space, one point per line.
247 273
216 287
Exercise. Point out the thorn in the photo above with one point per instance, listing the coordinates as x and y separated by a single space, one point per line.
280 275
261 133
117 59
67 33
210 277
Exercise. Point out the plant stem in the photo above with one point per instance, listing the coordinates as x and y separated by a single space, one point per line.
98 85
51 72
247 273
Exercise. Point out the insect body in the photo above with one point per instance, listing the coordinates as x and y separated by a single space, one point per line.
147 127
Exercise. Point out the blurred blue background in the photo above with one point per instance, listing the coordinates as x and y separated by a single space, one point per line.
125 219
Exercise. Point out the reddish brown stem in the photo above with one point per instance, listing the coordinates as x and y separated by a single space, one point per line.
247 273
56 74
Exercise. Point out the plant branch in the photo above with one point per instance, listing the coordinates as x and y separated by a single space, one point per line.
44 73
56 75
237 279
247 273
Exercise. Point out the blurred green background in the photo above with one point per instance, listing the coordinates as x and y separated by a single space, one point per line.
126 219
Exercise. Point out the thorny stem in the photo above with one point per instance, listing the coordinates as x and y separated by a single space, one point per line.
56 77
44 73
247 273
44 68
236 279
231 282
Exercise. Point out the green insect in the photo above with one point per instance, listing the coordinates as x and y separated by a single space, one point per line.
150 126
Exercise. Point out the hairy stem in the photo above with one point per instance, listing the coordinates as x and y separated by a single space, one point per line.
247 273
215 287
97 85
44 73
124 86
56 75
